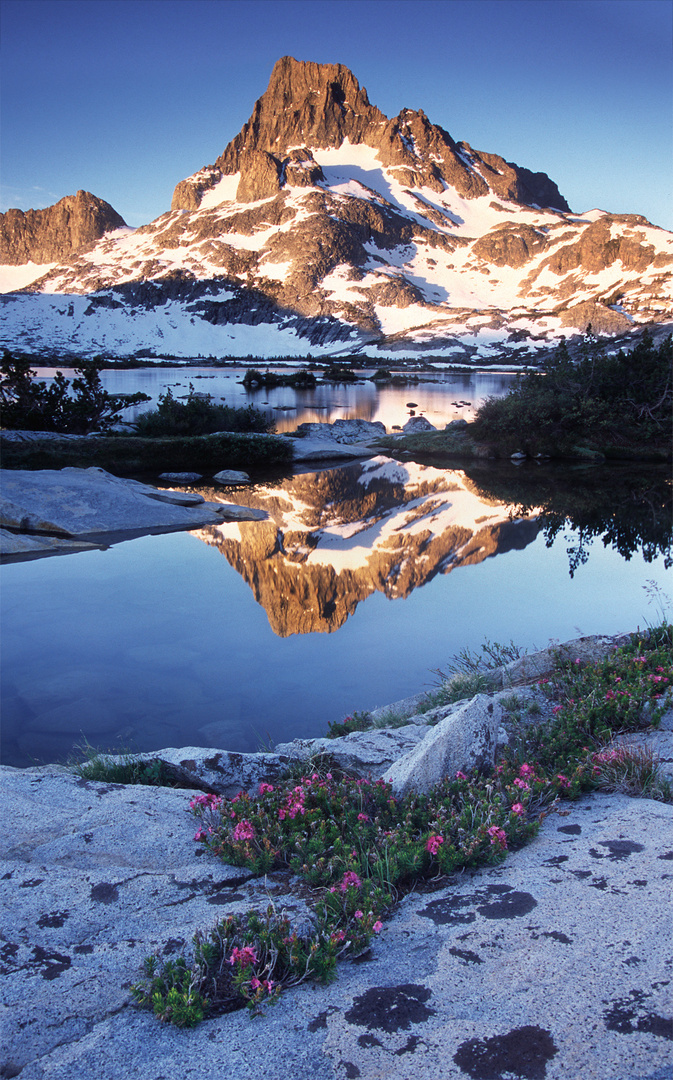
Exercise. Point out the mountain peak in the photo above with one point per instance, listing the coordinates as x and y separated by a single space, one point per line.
305 103
321 106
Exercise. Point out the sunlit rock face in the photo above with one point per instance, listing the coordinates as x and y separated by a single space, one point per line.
335 537
326 227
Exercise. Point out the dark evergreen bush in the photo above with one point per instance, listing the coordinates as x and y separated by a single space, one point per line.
198 415
596 400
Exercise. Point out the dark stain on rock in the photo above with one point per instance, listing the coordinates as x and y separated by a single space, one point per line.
366 1041
32 883
596 854
409 1046
352 1070
172 945
219 899
631 961
581 874
87 837
84 950
556 860
627 1015
212 762
104 893
55 918
10 1069
600 883
571 830
447 912
668 855
8 951
620 849
54 963
640 882
320 1021
523 1053
391 1008
558 936
466 955
512 906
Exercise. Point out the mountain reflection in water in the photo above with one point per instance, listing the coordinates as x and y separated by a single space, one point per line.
335 537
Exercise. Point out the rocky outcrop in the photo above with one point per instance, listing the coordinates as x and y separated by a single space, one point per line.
44 236
90 504
322 105
465 740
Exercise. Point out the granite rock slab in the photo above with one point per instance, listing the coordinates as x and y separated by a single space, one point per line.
92 504
554 964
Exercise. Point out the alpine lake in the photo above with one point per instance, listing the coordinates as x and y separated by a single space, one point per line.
367 580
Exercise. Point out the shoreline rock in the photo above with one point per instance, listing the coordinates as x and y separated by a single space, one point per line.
50 511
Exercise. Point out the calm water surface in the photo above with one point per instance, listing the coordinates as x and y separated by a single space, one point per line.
440 397
365 579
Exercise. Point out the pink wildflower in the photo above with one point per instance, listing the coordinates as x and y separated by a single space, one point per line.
265 789
564 782
199 834
363 817
518 782
377 927
244 831
498 836
460 775
518 809
433 844
245 956
350 878
359 914
526 770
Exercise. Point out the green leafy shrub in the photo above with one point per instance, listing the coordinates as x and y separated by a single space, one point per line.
198 416
74 408
359 721
595 400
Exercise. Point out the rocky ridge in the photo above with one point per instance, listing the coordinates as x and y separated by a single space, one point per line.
71 226
326 226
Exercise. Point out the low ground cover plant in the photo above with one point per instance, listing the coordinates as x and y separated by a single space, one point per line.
358 848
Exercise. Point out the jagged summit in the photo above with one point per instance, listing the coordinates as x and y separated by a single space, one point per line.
326 227
309 106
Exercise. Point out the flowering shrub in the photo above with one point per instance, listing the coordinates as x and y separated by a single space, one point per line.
358 847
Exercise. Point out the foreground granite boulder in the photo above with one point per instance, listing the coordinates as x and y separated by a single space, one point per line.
465 739
552 965
362 753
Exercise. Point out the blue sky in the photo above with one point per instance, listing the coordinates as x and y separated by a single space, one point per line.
125 98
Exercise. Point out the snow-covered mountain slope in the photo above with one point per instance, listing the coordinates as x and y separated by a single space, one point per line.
326 227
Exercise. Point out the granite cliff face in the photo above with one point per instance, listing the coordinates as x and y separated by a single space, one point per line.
72 225
322 106
336 537
324 226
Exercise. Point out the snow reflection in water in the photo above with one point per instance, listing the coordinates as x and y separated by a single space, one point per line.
159 641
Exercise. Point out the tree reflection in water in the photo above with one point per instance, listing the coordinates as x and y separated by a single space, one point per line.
630 510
